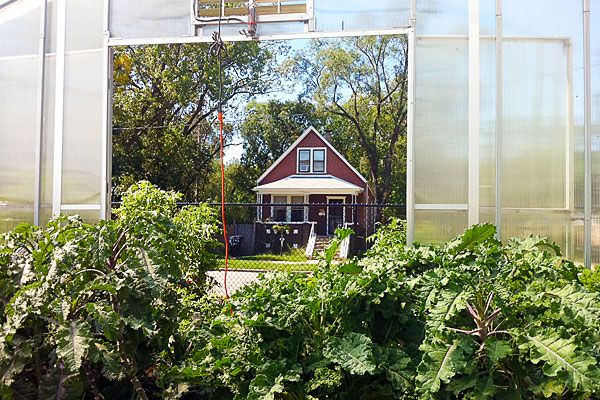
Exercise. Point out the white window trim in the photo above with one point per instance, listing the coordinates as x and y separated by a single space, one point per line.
310 160
288 212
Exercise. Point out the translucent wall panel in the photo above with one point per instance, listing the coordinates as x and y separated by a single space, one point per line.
19 87
442 17
487 142
536 137
82 140
19 28
438 226
333 15
82 136
441 121
149 18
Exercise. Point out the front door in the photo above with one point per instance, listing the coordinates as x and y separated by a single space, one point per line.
335 216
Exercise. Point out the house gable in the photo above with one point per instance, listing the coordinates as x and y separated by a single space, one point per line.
336 164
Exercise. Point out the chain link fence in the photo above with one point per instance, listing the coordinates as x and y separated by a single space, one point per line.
290 236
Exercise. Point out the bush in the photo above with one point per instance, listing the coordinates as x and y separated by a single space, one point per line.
469 319
96 308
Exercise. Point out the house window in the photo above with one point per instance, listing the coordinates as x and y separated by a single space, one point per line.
280 212
312 160
304 161
297 212
318 161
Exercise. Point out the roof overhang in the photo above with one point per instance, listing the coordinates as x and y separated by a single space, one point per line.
302 184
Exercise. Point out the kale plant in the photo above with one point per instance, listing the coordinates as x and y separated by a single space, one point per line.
96 308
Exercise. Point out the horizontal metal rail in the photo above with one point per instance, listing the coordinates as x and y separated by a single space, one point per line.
183 204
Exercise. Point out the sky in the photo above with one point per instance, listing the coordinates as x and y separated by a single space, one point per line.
233 153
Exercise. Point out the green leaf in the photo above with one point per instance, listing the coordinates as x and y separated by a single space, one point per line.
353 352
562 359
441 361
496 349
73 341
271 378
473 236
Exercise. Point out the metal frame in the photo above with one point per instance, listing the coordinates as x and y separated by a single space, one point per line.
105 181
61 16
499 119
587 67
37 191
474 113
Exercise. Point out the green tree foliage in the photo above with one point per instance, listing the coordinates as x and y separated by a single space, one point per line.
165 103
362 83
470 319
96 308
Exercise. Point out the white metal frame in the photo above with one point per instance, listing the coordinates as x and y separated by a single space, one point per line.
37 191
61 20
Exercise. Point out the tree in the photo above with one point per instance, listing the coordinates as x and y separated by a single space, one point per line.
362 82
165 103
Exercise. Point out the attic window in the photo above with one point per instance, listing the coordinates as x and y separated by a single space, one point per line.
312 160
304 161
318 161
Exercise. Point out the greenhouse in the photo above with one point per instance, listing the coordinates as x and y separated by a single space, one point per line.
504 103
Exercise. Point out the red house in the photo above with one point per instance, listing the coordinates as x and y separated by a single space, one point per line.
312 171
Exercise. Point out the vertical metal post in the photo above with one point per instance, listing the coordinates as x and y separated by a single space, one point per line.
61 33
410 128
587 67
499 118
355 222
37 190
105 181
474 110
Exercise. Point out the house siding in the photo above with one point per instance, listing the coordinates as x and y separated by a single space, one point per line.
335 165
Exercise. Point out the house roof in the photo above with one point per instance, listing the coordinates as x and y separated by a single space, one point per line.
309 184
297 142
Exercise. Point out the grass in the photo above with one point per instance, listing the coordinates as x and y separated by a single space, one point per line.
295 257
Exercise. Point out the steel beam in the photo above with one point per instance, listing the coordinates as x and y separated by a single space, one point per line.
37 190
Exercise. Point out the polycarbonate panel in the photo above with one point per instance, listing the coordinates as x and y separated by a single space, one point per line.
333 15
487 141
18 118
82 140
438 226
441 121
20 28
48 137
132 19
88 216
84 20
536 136
442 17
542 17
556 226
11 217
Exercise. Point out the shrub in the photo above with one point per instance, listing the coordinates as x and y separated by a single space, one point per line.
468 319
95 308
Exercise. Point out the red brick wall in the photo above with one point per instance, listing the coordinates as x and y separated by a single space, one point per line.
335 166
